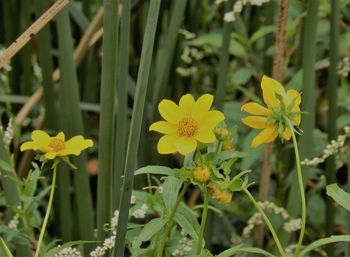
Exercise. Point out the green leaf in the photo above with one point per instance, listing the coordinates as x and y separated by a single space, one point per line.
339 195
226 155
171 187
261 33
324 241
159 170
5 166
55 250
4 248
148 231
187 220
239 249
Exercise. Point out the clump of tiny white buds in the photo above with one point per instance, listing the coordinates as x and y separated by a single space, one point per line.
14 222
184 247
133 199
238 6
114 220
256 219
9 132
68 252
290 250
330 149
344 66
141 212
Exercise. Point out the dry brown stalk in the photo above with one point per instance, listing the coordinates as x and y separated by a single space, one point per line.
32 31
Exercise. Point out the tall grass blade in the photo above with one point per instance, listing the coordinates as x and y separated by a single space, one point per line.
136 123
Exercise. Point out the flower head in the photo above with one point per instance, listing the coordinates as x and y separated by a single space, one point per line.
281 105
56 146
186 123
201 173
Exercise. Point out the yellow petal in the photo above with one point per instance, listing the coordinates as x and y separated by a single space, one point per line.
202 106
169 111
270 88
166 144
61 136
297 118
163 127
50 155
257 122
75 145
186 104
211 119
28 145
291 95
186 145
40 138
265 136
287 134
256 109
205 135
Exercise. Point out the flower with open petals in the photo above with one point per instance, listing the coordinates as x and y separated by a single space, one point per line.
56 146
186 124
281 105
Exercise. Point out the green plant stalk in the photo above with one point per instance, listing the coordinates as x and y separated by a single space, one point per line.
49 206
171 219
224 58
332 92
73 123
301 189
136 123
107 114
122 95
267 221
203 221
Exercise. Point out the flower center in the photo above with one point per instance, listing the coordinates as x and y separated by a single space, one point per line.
57 144
187 127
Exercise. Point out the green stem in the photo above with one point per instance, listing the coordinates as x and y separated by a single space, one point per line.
170 220
43 228
301 189
267 221
203 221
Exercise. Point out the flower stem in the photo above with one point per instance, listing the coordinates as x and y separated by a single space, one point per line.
170 220
203 221
301 188
43 228
267 221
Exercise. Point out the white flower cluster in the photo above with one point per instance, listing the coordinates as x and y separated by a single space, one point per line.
184 247
14 222
141 212
8 135
68 252
290 250
238 6
330 149
114 220
344 66
290 224
187 56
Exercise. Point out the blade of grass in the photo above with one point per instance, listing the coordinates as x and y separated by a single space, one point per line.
136 123
70 110
122 94
332 92
107 114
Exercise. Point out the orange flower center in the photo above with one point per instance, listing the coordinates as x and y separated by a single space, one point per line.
187 127
57 144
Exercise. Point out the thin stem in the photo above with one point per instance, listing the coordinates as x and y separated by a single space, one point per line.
267 221
170 220
301 189
203 221
43 228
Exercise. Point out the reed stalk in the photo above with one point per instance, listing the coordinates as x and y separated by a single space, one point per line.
107 113
136 123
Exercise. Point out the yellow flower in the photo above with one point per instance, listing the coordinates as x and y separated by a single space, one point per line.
186 123
271 119
56 146
201 174
221 195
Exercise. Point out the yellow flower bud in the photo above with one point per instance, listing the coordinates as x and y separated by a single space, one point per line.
201 174
227 145
222 196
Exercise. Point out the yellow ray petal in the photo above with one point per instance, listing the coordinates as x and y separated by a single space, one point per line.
287 134
265 136
205 135
76 144
202 106
40 137
291 95
169 111
257 122
185 145
166 144
28 145
270 88
50 155
60 136
163 127
186 104
256 109
211 119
